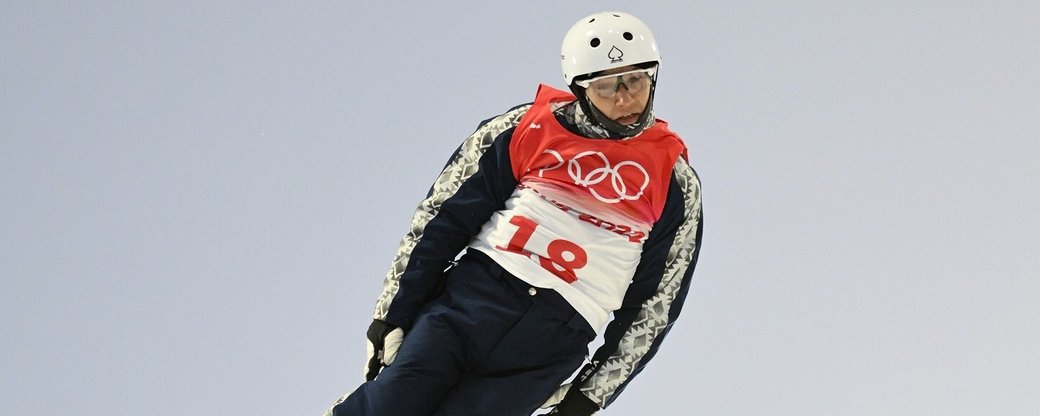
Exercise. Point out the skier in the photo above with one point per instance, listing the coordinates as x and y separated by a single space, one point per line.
575 215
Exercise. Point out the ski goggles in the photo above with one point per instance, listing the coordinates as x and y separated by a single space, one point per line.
607 86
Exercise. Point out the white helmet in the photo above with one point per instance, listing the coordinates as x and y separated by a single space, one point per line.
606 40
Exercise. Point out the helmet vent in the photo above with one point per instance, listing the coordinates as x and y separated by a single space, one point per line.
627 35
594 42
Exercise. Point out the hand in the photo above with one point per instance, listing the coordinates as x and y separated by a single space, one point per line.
384 339
574 403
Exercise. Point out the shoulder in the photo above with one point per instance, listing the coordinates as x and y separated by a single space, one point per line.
689 184
506 120
491 129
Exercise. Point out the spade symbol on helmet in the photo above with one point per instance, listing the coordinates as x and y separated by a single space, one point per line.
615 55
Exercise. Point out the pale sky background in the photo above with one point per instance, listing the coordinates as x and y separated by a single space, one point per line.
200 200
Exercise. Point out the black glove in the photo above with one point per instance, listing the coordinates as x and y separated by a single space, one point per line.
575 403
384 339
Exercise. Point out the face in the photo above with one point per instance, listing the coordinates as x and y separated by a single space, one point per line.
626 104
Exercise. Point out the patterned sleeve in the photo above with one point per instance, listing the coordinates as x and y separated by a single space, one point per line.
655 298
474 183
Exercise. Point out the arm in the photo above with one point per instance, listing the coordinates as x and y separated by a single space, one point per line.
653 301
475 182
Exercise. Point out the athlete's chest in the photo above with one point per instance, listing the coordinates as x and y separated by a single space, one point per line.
629 177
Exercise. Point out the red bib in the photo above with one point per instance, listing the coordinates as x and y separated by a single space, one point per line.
629 176
582 210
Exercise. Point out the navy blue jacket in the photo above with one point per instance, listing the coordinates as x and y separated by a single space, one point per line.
476 182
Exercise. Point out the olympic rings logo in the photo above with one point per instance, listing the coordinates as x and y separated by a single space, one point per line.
600 174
